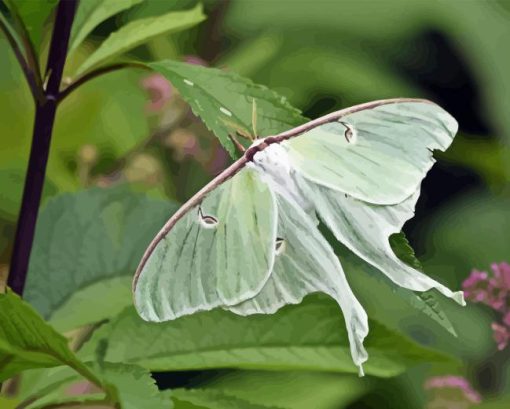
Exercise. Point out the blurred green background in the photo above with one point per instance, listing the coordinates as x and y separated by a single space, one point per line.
323 56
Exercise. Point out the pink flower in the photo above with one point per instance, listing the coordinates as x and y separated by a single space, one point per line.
499 286
475 286
506 319
159 89
492 290
501 335
456 383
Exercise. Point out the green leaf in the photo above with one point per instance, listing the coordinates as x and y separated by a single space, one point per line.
49 382
87 241
129 385
110 142
26 341
213 399
9 26
140 31
403 250
292 390
78 310
132 387
224 100
91 13
428 301
33 14
311 336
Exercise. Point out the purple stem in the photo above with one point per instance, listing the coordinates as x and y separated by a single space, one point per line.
41 139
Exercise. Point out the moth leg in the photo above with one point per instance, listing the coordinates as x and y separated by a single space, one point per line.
238 144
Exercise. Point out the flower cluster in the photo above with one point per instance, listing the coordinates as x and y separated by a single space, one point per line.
451 392
492 290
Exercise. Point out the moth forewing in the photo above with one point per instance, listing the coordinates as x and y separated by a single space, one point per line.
218 253
378 155
245 256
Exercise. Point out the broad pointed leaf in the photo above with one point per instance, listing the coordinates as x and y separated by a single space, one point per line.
224 101
214 399
91 13
26 341
132 387
33 14
86 242
291 390
141 31
309 336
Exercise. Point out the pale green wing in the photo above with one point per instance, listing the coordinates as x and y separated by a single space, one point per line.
376 153
365 229
305 263
219 253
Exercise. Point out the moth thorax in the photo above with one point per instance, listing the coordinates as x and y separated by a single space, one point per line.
274 165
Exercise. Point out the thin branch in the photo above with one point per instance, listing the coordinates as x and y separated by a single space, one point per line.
40 149
97 73
27 71
32 60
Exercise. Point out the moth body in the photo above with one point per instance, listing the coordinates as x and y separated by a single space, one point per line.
273 164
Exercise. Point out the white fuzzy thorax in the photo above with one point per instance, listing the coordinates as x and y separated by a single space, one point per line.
274 165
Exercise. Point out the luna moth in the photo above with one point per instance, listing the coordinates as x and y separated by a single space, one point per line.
249 242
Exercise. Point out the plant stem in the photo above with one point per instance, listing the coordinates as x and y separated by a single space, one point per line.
96 73
41 139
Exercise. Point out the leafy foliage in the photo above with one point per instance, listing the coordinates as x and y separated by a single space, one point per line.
224 101
93 303
82 242
213 399
132 387
310 336
33 14
8 24
292 390
93 12
95 130
426 302
26 341
141 31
